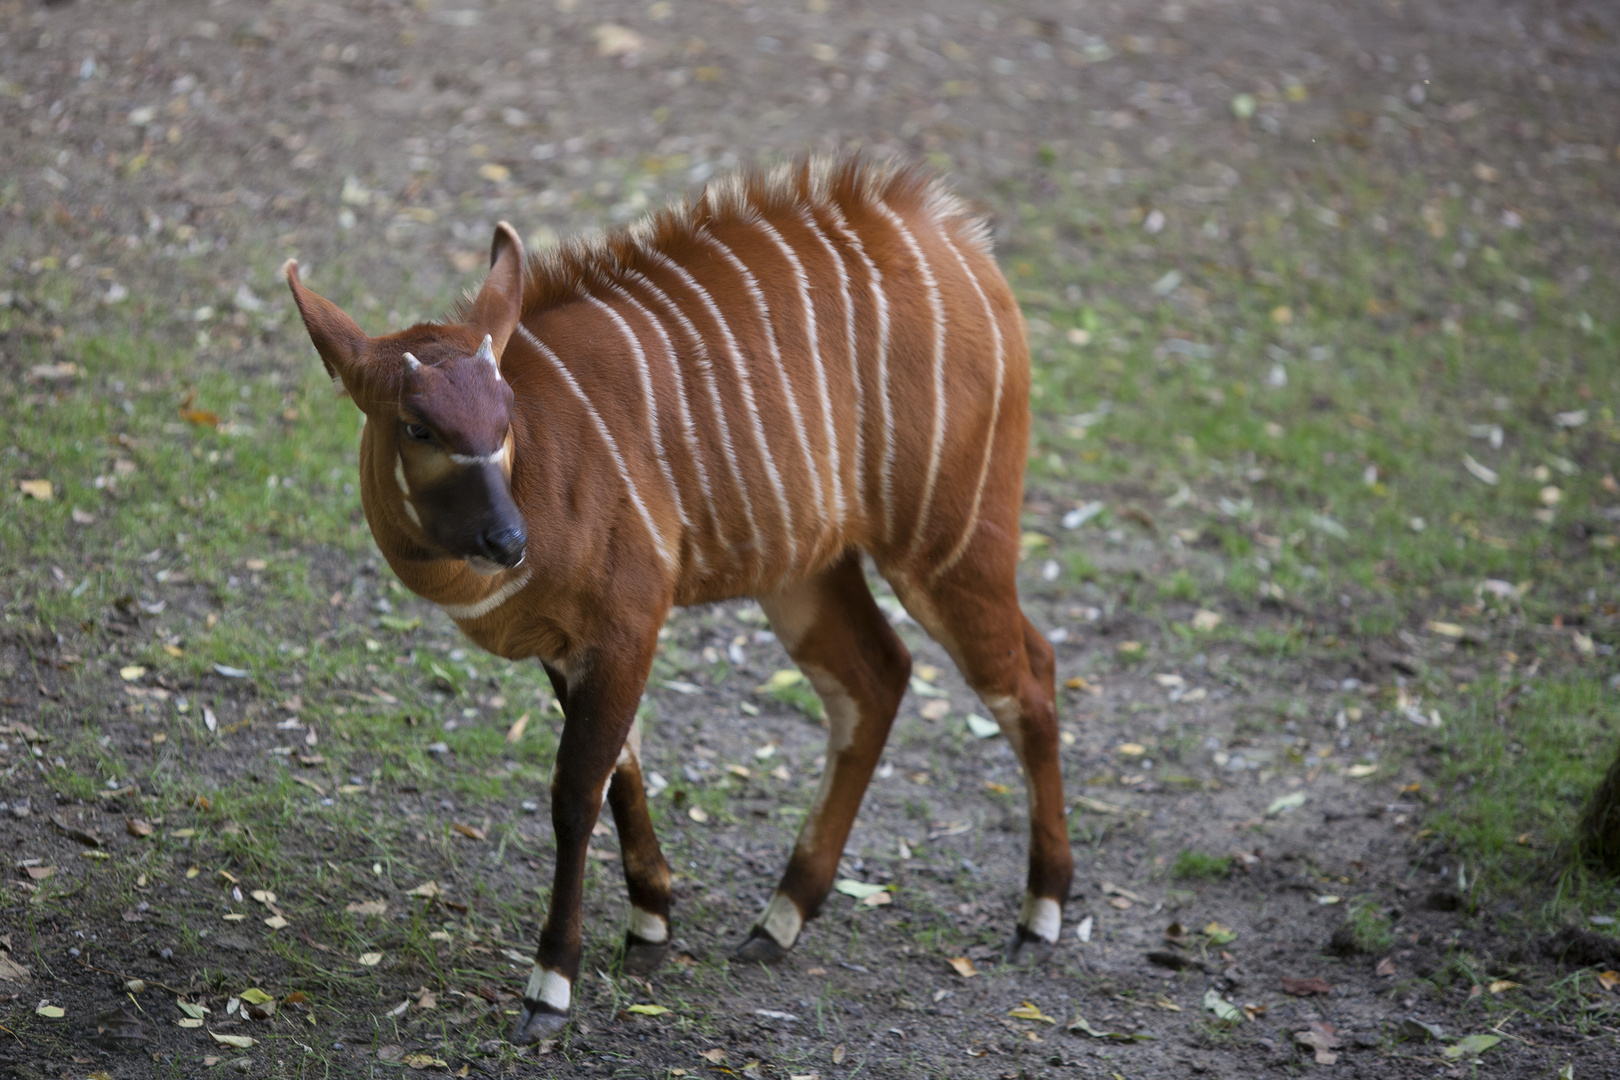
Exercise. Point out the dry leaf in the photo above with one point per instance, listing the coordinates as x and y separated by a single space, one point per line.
963 966
39 873
838 1054
49 1012
515 732
935 709
1502 986
698 814
37 489
615 40
714 1056
138 828
1205 621
1029 1011
1306 987
367 907
370 959
1386 966
241 1042
469 831
647 1010
276 922
427 889
189 1022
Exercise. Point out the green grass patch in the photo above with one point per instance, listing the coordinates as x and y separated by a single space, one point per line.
1193 865
1519 762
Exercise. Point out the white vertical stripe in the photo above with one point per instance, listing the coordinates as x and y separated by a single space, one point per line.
714 394
607 437
936 309
645 375
683 406
849 345
885 401
803 281
995 412
751 284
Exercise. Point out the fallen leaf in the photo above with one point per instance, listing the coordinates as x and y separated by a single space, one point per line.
615 40
390 1052
1470 1047
131 672
1223 1009
1284 804
1131 749
1609 979
1323 1039
425 1061
427 889
1220 934
860 890
982 728
1080 1024
1502 986
716 1055
1306 986
138 828
370 959
838 1054
87 837
781 680
1029 1011
11 971
39 873
189 1022
49 1012
469 831
1357 772
1205 621
698 814
367 907
276 922
1480 472
515 732
193 1010
963 966
935 709
42 490
241 1042
647 1010
1386 966
263 896
877 899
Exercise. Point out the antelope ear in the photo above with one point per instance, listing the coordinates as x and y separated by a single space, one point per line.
337 338
499 303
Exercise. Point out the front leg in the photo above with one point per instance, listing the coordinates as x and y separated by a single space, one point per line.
604 687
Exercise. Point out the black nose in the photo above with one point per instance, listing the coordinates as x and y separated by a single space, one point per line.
505 544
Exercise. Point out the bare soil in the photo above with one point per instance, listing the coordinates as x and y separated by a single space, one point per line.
184 149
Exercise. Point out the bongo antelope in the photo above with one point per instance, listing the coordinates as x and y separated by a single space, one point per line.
732 398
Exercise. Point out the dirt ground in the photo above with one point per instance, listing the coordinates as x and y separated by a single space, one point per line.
184 149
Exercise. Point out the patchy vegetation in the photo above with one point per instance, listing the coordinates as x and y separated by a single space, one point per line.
1321 517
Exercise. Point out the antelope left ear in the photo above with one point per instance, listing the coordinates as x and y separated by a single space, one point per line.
499 303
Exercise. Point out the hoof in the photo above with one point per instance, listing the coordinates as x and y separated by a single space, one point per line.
760 948
539 1021
643 957
1027 948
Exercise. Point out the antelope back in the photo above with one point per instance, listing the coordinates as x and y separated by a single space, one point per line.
798 362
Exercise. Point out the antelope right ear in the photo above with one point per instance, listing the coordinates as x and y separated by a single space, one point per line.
339 340
499 304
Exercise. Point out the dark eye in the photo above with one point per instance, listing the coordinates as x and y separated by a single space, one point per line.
419 432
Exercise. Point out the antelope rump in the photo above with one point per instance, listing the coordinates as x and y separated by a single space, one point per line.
733 398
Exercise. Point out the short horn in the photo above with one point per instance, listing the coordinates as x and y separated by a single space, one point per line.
412 363
486 353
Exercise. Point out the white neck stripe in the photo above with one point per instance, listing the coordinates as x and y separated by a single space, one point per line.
466 612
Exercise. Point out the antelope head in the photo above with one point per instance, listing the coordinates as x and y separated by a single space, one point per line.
438 411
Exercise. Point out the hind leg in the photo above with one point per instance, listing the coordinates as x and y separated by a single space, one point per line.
972 610
840 639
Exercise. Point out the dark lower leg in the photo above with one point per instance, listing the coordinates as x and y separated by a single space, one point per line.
646 875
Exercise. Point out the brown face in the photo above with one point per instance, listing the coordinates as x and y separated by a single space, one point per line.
444 415
454 466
